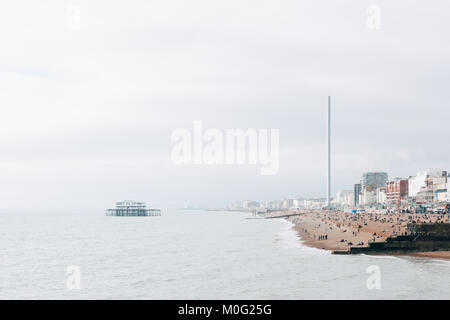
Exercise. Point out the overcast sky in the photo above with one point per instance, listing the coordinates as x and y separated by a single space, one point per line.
87 114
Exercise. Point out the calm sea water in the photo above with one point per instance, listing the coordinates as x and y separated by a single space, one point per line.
193 255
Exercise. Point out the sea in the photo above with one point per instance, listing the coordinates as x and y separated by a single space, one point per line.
193 254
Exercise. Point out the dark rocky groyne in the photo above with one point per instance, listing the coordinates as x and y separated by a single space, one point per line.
420 238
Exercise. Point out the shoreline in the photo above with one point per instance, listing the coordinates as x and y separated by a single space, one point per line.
337 230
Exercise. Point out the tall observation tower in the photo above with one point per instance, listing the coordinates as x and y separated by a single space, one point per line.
329 154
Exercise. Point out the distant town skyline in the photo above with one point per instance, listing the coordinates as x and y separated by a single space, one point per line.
428 190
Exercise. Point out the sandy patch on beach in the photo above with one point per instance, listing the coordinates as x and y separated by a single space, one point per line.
337 230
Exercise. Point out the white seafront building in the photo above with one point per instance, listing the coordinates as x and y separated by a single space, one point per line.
369 196
315 203
416 183
344 198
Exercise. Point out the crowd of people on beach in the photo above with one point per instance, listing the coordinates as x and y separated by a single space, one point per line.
357 229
